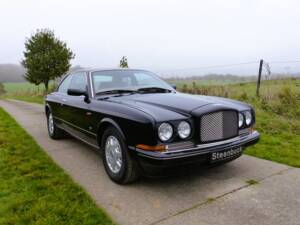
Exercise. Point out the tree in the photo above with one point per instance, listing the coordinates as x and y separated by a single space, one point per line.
124 62
45 57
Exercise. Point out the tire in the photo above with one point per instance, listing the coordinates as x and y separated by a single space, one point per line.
54 131
127 170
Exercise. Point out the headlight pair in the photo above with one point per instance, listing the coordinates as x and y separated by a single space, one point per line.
245 118
165 130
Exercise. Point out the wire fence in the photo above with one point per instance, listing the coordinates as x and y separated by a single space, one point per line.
275 69
189 79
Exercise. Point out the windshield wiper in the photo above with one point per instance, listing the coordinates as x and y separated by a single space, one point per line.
154 90
132 91
116 91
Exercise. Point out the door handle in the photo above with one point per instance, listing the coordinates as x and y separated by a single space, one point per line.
63 100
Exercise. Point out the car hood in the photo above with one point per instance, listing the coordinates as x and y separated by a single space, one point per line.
172 106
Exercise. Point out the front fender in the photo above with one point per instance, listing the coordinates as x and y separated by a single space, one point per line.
132 132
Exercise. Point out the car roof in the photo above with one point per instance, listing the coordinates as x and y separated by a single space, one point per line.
102 69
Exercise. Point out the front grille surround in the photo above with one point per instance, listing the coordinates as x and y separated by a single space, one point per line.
219 125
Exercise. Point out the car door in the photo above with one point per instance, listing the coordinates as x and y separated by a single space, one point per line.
58 100
77 113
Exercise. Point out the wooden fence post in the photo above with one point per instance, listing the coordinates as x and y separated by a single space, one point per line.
259 77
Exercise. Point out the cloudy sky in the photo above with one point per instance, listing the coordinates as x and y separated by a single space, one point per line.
160 35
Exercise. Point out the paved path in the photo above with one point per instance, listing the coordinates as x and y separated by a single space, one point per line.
214 196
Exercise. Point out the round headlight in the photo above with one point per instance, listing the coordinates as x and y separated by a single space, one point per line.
184 129
241 120
248 117
165 131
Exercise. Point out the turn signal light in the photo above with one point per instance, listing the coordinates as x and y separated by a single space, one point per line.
152 148
251 130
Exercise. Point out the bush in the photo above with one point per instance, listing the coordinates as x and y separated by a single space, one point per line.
287 97
243 96
285 102
2 89
184 88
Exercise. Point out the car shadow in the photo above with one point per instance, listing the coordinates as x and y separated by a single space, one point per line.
189 174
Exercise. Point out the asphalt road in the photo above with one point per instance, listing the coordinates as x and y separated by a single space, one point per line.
211 196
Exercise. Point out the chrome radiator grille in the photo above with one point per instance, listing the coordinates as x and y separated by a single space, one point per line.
218 125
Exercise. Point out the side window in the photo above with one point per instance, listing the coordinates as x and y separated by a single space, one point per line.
78 81
63 87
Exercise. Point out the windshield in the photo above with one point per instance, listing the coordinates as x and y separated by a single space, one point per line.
104 81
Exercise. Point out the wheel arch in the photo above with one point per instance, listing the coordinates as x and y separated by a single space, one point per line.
47 109
104 123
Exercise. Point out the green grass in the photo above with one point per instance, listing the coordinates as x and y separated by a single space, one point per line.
25 91
33 189
12 88
28 98
252 182
280 138
210 200
179 83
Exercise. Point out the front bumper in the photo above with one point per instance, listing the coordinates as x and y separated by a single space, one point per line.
154 161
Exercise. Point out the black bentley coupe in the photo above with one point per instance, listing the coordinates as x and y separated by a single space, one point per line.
142 125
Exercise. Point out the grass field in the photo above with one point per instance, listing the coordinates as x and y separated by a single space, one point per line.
33 189
28 98
190 83
22 87
25 91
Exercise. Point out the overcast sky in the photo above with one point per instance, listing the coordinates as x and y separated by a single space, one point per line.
160 35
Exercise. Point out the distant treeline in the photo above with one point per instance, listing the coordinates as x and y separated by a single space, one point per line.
216 77
230 77
15 72
11 73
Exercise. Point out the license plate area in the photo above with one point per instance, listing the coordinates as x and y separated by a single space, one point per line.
226 154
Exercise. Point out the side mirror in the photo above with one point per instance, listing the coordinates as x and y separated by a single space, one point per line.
174 86
79 92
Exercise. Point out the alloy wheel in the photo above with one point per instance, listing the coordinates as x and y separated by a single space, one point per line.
113 154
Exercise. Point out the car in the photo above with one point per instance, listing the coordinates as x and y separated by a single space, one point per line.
142 125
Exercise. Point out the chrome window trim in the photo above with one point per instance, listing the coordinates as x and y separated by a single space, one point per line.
91 84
